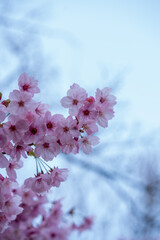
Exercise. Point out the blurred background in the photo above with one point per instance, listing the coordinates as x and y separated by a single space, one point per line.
96 44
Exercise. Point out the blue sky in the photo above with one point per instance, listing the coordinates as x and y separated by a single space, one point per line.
109 39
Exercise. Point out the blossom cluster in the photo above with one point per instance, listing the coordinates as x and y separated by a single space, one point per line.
24 226
29 129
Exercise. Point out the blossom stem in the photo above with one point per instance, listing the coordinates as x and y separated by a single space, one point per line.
39 165
36 166
45 163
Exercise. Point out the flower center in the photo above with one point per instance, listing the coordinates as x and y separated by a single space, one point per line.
26 194
39 180
7 203
90 99
85 141
100 114
53 235
86 112
33 130
18 147
102 100
75 102
49 125
66 129
2 218
46 145
21 104
25 87
12 128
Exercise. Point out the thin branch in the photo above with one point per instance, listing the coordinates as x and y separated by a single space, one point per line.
110 175
113 177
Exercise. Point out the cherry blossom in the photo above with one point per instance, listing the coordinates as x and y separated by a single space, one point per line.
35 132
47 148
51 122
58 176
88 142
21 103
11 207
15 128
74 99
2 113
28 84
70 146
13 164
20 149
3 161
89 126
67 128
29 130
3 138
40 108
104 97
37 184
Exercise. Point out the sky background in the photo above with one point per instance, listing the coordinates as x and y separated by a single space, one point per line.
112 39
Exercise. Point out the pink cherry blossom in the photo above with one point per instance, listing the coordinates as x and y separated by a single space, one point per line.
70 146
20 149
13 164
41 108
11 207
28 84
22 125
47 148
35 133
58 176
2 112
104 114
38 184
7 185
21 103
3 161
89 126
2 116
89 101
55 215
87 112
15 128
3 138
31 117
27 196
12 132
7 149
3 222
1 178
104 96
61 233
67 128
74 99
88 142
51 122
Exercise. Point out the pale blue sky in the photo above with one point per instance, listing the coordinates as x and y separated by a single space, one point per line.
116 37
